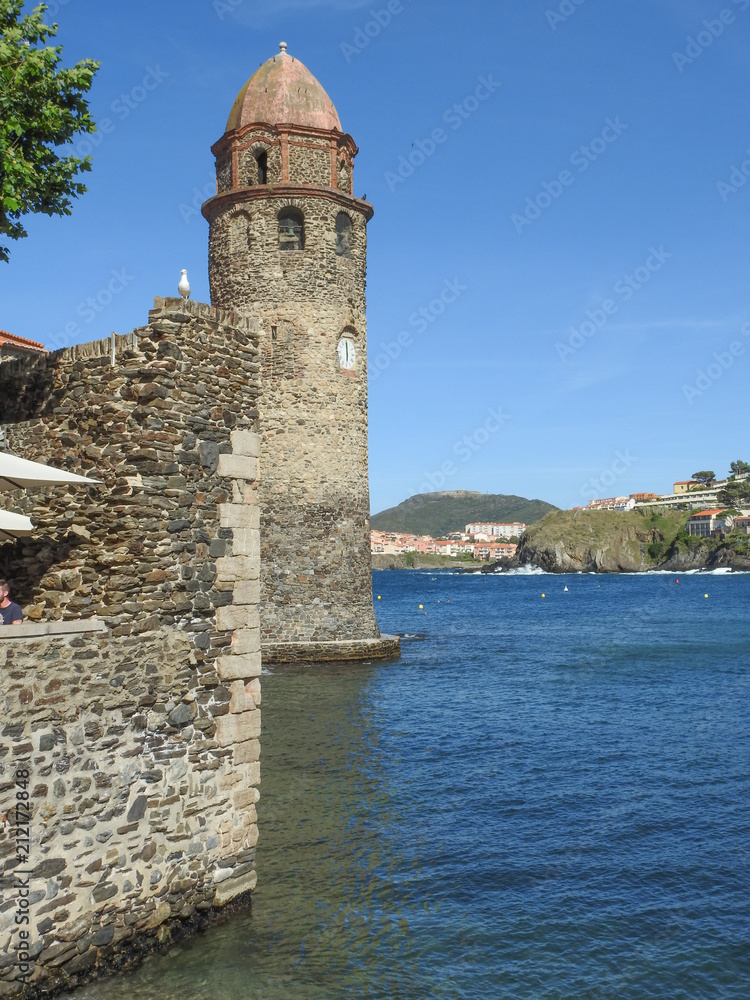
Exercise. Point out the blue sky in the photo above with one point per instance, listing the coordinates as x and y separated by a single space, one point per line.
571 167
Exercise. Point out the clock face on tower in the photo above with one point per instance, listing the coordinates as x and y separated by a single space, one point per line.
347 353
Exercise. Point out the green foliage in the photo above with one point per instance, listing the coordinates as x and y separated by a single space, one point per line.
41 108
661 519
439 514
740 468
655 550
735 495
741 543
684 542
705 478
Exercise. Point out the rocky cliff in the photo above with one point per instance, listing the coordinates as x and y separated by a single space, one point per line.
611 542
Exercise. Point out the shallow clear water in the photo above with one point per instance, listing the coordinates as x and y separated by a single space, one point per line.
546 798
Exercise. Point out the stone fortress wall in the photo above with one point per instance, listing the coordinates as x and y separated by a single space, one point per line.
130 700
131 696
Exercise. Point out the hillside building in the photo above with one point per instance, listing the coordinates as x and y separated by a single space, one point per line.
612 503
686 486
397 543
709 523
494 530
494 550
691 494
13 346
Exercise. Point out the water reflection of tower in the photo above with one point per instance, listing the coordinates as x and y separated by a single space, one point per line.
288 245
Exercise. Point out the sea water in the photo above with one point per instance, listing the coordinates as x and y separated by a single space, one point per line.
546 798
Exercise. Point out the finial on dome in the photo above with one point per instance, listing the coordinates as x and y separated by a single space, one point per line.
283 90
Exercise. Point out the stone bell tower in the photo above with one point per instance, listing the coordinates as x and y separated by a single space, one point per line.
288 246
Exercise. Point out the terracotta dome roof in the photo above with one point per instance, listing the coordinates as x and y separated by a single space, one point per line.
283 91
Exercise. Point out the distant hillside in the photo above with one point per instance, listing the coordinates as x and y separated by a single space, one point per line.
439 514
647 538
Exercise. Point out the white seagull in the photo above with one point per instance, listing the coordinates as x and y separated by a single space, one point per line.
184 286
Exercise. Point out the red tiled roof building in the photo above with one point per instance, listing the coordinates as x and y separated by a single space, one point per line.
12 346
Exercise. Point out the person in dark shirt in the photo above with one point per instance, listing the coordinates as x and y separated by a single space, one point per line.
10 613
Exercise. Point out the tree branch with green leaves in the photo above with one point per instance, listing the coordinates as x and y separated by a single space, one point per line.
705 478
42 107
736 494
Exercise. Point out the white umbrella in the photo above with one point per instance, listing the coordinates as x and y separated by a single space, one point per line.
18 473
14 526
